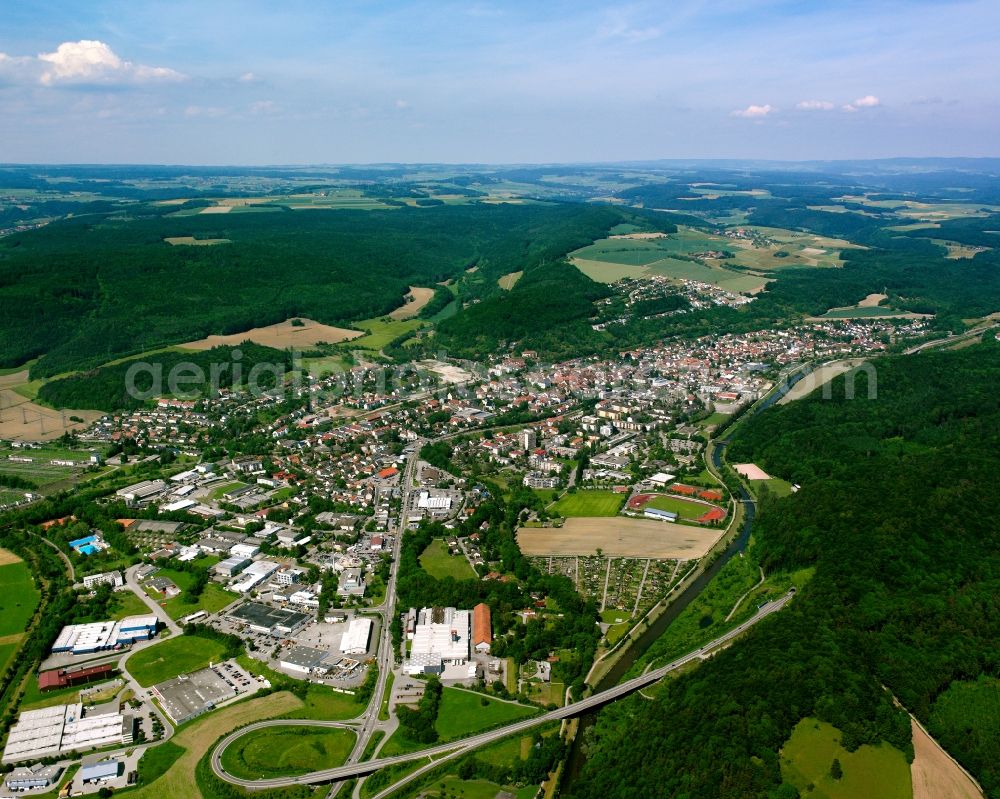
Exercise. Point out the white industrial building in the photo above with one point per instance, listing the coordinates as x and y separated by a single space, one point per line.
440 639
355 640
140 492
231 566
427 501
254 575
65 728
304 660
83 639
34 776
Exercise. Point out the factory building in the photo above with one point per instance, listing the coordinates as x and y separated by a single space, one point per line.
31 777
355 641
254 575
84 639
440 641
60 729
304 660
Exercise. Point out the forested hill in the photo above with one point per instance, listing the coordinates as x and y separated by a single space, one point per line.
897 512
93 288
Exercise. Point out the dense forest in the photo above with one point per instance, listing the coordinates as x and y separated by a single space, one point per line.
895 514
90 289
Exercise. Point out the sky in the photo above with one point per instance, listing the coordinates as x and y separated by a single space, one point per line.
369 81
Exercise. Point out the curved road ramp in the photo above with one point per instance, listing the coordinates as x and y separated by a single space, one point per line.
465 744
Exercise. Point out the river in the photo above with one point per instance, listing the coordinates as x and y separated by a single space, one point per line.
638 648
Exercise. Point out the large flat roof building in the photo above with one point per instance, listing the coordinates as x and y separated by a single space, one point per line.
84 639
440 638
56 730
355 640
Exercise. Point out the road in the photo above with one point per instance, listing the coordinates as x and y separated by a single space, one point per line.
369 721
455 748
161 614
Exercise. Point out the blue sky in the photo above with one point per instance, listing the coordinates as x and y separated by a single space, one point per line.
358 81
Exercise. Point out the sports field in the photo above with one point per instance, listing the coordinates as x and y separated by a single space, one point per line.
589 503
436 561
876 771
684 508
618 537
181 655
287 751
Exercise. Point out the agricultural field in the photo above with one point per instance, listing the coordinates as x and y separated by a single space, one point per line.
618 537
414 301
934 774
807 757
382 330
287 751
284 335
438 563
174 656
22 419
638 255
588 503
191 241
508 281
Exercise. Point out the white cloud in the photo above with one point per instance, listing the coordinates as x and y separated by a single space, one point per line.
248 77
755 111
815 105
88 61
868 101
402 104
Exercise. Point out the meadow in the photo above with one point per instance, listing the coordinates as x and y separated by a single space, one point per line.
167 659
287 751
18 597
807 757
436 561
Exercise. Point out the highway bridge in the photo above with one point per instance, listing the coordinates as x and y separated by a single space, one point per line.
465 744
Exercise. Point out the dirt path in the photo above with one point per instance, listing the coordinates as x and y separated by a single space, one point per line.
935 774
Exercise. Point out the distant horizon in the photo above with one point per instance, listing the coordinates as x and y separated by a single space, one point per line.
597 163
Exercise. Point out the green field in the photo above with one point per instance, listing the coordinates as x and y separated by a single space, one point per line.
213 599
287 751
876 771
321 703
181 655
589 503
127 604
381 331
683 508
776 485
436 561
7 651
454 788
18 596
462 713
